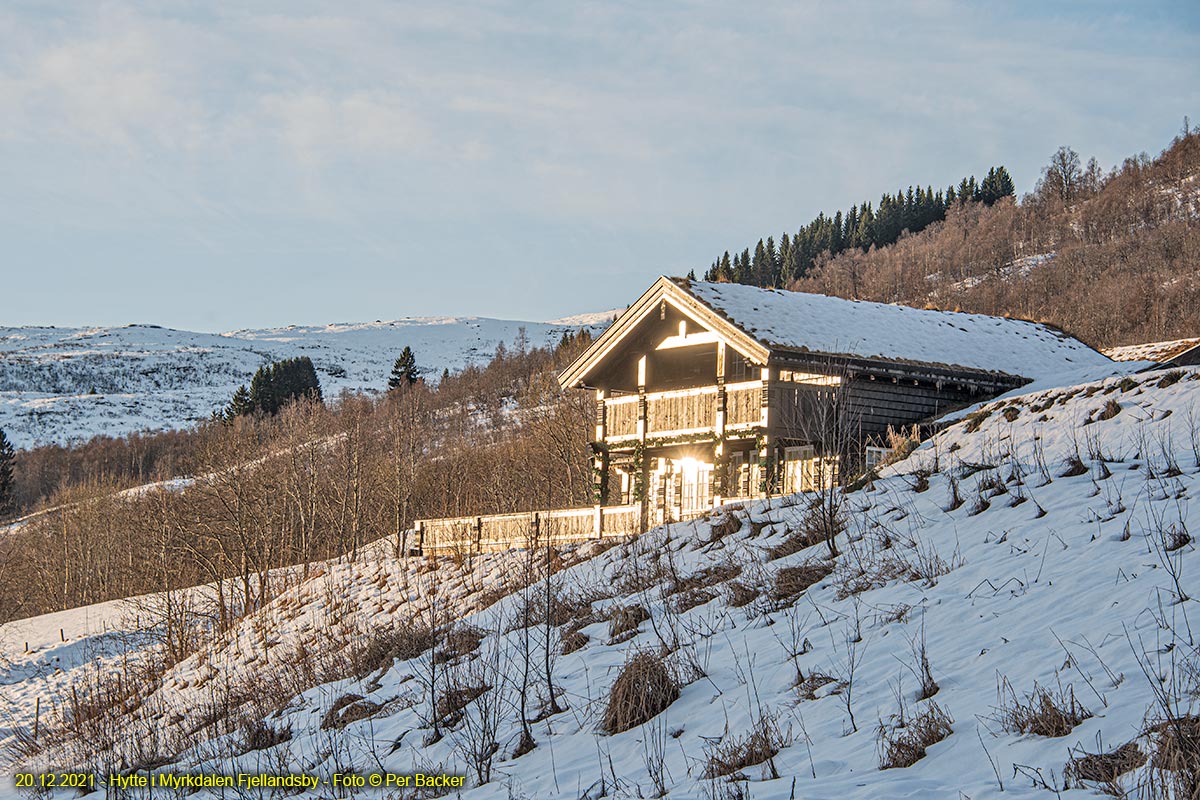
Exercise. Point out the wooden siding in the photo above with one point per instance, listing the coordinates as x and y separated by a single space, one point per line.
877 404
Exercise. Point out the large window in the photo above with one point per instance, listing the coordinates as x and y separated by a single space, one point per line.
799 469
875 456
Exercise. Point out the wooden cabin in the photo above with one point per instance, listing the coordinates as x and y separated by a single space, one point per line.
708 392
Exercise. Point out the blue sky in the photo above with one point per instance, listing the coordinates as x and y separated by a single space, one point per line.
217 166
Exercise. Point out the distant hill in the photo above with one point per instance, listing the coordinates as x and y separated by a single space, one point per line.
64 384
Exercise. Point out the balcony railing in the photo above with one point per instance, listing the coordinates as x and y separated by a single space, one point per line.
684 411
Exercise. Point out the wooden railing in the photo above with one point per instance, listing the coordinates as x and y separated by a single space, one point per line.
683 411
743 403
527 529
622 415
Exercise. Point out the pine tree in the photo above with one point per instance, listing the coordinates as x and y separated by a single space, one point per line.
404 371
8 483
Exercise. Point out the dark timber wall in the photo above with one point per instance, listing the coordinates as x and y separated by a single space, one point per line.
876 404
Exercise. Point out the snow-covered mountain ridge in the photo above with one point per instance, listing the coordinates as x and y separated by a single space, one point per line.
1043 547
61 384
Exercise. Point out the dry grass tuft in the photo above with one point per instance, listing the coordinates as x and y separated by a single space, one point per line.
735 754
643 690
458 642
1110 410
1104 768
450 703
1041 712
258 735
791 581
794 541
383 646
625 619
346 709
740 594
905 746
573 640
692 598
1176 743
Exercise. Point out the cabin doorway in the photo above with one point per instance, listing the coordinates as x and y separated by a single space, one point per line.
685 489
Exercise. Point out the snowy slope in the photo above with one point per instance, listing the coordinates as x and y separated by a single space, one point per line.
1016 568
1151 351
151 377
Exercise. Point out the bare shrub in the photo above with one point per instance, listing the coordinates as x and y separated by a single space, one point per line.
626 619
905 746
1042 712
643 690
734 754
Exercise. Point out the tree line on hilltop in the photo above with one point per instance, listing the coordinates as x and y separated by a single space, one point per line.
863 227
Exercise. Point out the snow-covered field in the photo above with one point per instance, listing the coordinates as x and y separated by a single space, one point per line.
1043 542
63 384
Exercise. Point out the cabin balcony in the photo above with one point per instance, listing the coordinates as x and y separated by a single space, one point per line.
683 412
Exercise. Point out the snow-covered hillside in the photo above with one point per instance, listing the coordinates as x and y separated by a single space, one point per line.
60 384
1035 558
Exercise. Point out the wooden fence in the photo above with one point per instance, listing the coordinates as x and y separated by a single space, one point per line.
495 532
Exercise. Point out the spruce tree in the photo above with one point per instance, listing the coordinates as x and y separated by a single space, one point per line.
404 371
262 391
240 404
8 482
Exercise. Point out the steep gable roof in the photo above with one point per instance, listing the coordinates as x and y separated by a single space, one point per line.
765 322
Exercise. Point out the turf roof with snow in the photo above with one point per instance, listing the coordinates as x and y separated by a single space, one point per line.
784 320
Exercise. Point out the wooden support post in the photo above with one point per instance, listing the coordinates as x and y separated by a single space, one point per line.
767 441
718 473
644 467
